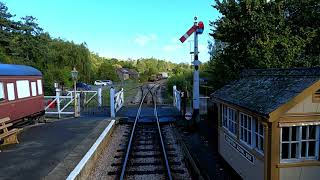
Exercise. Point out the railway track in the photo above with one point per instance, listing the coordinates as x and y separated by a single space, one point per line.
149 152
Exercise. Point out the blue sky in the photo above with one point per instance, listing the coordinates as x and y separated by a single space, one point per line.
123 28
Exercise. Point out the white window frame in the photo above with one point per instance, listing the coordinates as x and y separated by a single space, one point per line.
2 96
10 91
39 83
258 134
229 119
33 88
299 144
246 129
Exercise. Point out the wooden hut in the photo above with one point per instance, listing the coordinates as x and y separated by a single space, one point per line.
268 123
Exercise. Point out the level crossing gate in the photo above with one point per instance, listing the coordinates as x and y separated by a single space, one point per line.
89 103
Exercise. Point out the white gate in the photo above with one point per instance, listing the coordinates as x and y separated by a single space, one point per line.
116 101
176 98
64 105
58 105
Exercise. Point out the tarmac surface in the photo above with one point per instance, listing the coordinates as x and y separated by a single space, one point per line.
50 150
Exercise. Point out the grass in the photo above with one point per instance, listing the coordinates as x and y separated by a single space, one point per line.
130 90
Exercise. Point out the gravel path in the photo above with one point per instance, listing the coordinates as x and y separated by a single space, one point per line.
104 164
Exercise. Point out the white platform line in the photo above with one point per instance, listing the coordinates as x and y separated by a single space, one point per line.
91 151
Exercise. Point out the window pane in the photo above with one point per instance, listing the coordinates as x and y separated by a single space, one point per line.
311 150
249 137
304 132
245 136
261 144
312 132
285 134
33 88
284 153
245 122
241 134
294 147
249 123
303 149
1 92
294 134
23 88
11 93
39 82
261 132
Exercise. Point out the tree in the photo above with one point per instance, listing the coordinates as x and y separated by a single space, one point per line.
261 34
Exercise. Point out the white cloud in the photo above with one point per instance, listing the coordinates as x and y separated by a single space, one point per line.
143 39
171 47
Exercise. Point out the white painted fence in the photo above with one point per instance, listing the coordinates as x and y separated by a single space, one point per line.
176 98
89 95
58 100
116 101
63 102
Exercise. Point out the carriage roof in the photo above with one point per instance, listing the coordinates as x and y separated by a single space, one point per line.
18 70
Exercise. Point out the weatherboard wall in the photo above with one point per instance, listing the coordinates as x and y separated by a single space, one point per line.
306 106
245 162
298 173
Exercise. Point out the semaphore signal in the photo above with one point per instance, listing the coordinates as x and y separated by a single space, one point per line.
197 29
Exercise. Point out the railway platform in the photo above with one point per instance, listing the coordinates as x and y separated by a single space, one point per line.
44 147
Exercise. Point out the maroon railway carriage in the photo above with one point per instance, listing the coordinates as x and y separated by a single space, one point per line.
21 92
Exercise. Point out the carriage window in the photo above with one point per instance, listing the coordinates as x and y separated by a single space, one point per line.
33 88
39 87
23 88
1 92
10 89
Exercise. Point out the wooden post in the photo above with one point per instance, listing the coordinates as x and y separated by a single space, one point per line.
100 96
58 102
112 108
78 105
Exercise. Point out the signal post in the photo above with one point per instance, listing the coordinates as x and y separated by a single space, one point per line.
197 29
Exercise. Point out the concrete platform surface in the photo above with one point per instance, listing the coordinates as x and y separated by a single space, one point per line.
50 150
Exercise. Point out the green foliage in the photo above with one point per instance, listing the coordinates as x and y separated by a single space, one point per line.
261 34
107 71
182 79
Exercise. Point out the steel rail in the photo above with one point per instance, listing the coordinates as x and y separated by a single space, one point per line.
161 139
131 136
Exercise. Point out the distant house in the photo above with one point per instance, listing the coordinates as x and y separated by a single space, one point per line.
122 73
133 74
125 73
269 124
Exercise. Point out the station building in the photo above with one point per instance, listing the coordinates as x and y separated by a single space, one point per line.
269 124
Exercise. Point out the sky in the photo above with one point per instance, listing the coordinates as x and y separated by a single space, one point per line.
124 28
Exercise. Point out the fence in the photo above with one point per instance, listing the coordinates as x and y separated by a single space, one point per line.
176 98
54 104
64 105
116 101
203 102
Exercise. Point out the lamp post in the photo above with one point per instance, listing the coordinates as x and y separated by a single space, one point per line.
74 75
